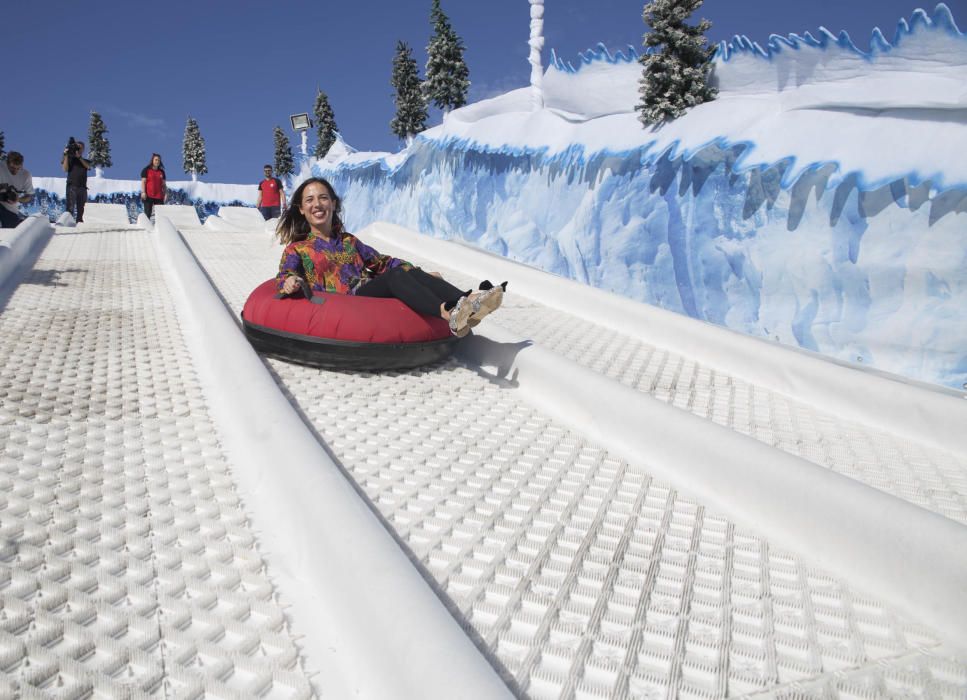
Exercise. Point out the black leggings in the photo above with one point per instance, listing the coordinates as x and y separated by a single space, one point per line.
422 292
149 203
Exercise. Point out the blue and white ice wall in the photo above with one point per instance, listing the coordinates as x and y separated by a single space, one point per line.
821 201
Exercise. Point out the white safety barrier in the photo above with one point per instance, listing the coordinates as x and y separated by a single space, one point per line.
908 556
177 214
370 623
932 415
98 214
18 244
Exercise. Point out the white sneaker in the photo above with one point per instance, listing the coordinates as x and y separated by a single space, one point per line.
485 303
460 315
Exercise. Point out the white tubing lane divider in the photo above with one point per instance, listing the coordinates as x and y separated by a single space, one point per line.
907 556
911 558
369 622
931 415
17 245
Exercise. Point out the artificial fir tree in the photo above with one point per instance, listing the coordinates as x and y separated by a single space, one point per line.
325 125
193 150
447 78
100 148
677 76
411 111
284 166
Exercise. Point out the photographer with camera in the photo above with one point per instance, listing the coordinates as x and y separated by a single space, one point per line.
76 168
16 187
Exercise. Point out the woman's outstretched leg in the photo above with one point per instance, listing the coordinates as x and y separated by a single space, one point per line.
400 284
432 296
439 286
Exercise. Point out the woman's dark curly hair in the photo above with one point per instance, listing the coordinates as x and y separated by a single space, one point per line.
293 225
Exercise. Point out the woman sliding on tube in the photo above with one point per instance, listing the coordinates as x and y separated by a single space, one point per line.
319 252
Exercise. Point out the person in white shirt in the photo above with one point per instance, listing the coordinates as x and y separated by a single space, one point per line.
16 187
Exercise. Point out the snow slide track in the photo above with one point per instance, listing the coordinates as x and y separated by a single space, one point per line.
386 639
914 558
426 445
745 384
127 566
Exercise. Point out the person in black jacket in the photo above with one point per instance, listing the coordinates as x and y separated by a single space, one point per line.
76 168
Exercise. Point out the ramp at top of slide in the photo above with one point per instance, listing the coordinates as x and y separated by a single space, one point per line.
98 214
178 214
244 218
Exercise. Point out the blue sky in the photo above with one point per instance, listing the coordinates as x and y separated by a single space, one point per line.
242 67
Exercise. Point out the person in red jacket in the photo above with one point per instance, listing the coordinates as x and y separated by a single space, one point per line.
153 184
271 200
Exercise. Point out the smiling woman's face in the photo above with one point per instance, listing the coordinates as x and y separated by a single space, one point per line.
317 206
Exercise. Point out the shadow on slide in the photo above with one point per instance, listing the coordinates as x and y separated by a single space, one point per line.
486 353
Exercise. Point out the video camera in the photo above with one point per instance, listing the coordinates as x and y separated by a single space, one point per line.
8 193
73 148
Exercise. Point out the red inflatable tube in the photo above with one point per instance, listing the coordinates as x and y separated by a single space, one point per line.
339 331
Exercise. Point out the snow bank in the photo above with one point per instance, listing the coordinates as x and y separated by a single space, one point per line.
206 197
208 191
819 201
912 92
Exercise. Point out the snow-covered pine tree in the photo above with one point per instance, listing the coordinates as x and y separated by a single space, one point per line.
284 166
100 147
325 124
193 150
676 77
411 114
447 77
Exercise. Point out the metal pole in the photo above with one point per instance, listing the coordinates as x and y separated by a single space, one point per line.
536 44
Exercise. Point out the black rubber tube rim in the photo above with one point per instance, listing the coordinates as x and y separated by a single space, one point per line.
331 353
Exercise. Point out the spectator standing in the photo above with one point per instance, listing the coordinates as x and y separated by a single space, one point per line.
76 168
154 185
271 199
16 177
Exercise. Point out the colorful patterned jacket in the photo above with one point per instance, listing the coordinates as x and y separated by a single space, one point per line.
334 265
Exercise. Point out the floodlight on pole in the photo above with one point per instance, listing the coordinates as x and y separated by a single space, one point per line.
302 124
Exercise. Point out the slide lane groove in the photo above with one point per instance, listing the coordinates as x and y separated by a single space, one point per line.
455 466
630 343
128 565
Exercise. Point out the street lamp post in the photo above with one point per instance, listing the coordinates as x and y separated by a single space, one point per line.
301 123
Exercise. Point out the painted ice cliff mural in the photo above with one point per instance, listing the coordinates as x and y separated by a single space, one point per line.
821 201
